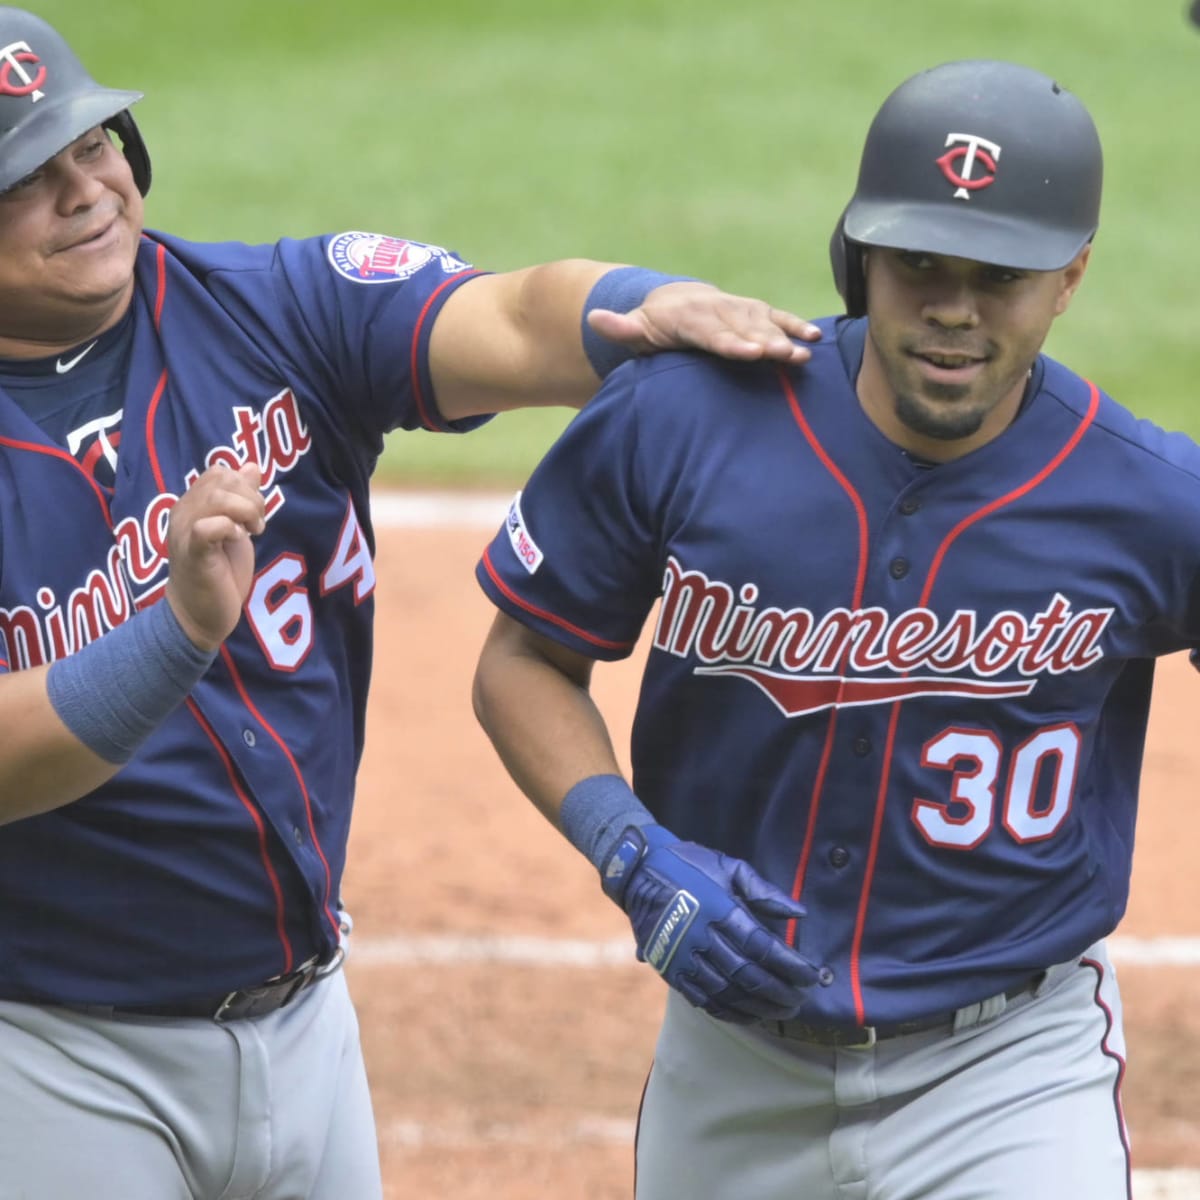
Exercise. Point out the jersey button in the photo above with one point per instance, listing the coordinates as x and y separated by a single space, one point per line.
839 857
909 505
298 834
825 976
862 746
249 737
898 568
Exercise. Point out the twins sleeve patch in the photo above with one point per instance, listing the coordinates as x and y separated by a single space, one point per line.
525 548
377 258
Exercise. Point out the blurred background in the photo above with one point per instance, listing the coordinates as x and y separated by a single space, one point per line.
707 138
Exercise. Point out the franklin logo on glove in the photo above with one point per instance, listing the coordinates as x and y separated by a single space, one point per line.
703 920
665 941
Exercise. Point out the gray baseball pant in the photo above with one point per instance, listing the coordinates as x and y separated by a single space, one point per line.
1018 1104
137 1108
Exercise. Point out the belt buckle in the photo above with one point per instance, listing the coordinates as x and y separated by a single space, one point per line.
242 1002
870 1037
224 1009
332 965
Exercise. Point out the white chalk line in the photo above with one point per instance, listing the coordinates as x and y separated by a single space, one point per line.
450 950
437 510
522 951
1175 1184
592 1130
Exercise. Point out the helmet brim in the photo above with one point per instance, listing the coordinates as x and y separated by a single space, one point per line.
974 234
53 128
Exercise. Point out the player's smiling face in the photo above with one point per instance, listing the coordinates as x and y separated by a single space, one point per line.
68 239
950 345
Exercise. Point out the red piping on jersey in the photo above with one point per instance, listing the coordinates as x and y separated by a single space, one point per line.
160 296
1015 494
1108 1052
63 456
860 583
151 413
288 956
161 484
881 798
548 616
278 740
160 261
415 369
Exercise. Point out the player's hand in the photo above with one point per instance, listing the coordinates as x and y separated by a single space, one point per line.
687 315
698 917
210 552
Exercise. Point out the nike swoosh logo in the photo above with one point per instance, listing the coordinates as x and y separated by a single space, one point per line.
63 367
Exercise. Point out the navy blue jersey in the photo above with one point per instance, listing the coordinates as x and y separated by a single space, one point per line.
913 695
213 859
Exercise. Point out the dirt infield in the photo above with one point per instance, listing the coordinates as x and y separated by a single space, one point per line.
515 1080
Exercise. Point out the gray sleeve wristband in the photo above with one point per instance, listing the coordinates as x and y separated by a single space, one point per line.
115 691
596 811
620 290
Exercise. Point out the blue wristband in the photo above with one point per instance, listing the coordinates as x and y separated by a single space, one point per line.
620 290
117 690
595 813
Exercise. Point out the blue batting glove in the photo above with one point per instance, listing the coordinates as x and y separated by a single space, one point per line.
698 919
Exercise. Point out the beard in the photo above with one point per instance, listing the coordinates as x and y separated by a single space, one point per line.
942 421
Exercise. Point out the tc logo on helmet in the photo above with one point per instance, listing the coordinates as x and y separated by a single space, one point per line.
958 165
11 59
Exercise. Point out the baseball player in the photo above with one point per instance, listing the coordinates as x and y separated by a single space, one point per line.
187 433
886 752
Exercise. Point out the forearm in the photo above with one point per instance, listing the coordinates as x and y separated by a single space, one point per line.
44 765
72 725
544 725
547 335
699 917
514 340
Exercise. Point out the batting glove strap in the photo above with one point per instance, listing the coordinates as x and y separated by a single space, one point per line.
595 813
614 879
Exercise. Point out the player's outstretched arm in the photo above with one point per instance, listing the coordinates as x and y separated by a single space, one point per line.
517 340
707 922
72 725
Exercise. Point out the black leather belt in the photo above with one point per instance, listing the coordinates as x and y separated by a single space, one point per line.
240 1005
863 1037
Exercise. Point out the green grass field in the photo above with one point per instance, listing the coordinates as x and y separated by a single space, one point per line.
714 139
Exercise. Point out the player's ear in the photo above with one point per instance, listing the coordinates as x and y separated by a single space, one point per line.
1072 277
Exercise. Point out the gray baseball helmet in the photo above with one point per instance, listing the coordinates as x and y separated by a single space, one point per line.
47 100
976 159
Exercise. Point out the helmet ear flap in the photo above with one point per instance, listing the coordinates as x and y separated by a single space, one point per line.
124 126
846 259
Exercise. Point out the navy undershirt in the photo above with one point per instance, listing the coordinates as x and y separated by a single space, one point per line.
79 408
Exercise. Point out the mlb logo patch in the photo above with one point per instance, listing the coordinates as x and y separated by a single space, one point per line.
525 548
377 258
